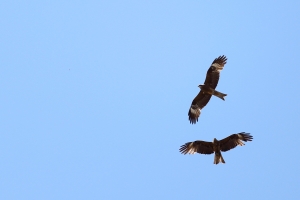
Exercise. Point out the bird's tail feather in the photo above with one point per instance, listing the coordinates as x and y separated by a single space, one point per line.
218 158
219 94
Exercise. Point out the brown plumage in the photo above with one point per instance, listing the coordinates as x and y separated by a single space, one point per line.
208 89
216 146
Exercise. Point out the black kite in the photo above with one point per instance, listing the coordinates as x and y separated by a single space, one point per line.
208 89
216 146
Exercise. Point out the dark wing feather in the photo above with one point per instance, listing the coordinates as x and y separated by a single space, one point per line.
233 140
198 103
213 73
197 147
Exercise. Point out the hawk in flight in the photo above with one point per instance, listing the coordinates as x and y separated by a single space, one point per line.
208 89
216 146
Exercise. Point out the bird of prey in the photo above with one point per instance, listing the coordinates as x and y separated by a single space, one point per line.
216 146
208 89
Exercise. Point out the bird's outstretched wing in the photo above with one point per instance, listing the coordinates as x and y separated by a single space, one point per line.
213 73
233 140
198 103
197 147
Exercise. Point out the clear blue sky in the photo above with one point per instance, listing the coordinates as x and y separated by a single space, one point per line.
95 96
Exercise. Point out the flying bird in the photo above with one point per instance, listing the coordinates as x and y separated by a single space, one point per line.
216 146
208 89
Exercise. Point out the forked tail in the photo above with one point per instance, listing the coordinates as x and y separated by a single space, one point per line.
218 158
219 94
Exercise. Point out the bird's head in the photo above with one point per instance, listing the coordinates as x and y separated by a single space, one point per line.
200 86
215 140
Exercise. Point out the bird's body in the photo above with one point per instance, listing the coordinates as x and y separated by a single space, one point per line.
217 150
216 146
210 91
207 89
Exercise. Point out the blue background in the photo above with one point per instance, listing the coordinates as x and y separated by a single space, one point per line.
95 95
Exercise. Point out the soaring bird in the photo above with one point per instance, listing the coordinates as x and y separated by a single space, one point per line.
216 146
208 89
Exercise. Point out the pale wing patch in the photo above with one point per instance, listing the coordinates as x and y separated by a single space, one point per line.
239 142
195 111
191 148
217 66
191 151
